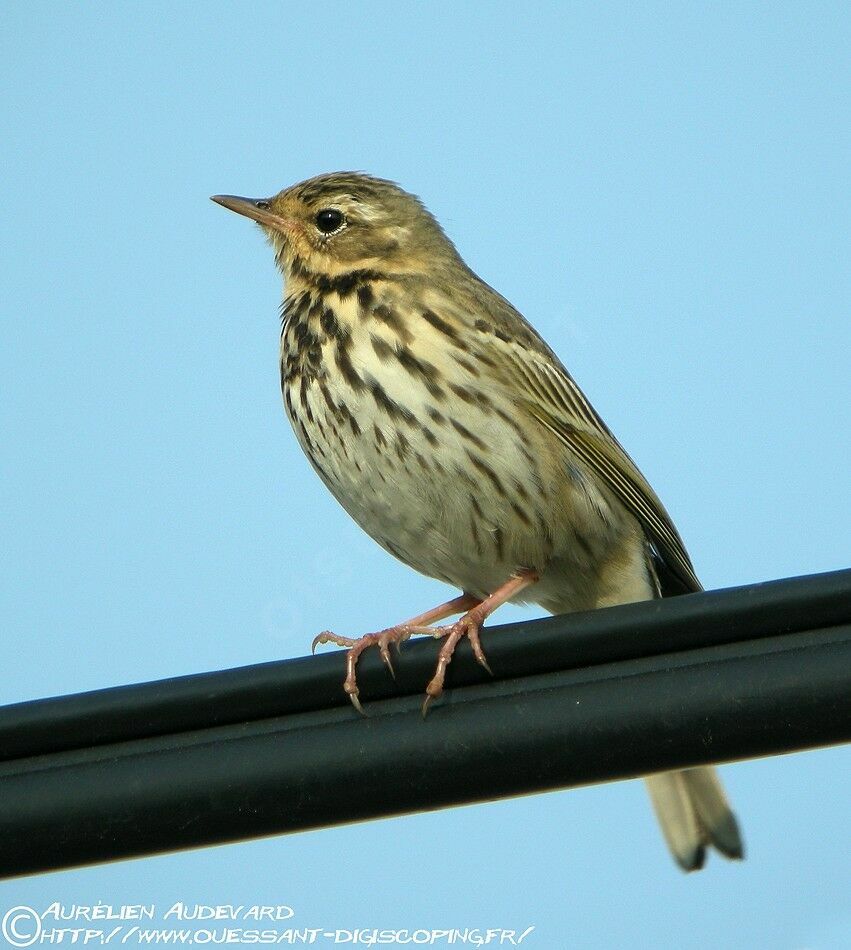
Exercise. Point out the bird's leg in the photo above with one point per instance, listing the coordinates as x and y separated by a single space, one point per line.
469 625
422 623
396 634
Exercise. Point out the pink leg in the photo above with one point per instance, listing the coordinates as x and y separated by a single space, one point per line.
455 606
397 634
469 625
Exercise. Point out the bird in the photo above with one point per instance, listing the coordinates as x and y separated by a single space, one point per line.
450 431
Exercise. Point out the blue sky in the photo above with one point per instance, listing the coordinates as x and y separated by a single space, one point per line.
662 189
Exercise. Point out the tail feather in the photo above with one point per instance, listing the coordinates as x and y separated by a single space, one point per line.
693 811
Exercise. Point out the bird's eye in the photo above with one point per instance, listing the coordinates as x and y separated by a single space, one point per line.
262 205
329 220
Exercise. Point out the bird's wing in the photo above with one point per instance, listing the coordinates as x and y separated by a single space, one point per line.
557 402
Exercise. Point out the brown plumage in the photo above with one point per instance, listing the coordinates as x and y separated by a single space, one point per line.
451 432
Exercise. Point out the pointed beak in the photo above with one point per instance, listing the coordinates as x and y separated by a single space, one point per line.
258 209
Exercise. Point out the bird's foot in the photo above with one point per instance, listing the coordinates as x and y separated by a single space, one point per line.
396 635
468 626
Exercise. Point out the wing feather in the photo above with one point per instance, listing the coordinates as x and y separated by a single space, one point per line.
559 404
530 370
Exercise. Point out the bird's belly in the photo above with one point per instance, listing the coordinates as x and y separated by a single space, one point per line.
440 468
456 495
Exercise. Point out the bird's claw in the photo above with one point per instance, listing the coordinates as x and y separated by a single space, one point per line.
468 626
396 635
328 636
384 650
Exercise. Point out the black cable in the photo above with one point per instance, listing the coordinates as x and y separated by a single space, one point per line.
277 747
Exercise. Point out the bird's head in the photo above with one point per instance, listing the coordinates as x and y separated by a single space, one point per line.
346 221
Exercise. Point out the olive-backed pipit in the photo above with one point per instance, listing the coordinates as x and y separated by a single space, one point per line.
453 435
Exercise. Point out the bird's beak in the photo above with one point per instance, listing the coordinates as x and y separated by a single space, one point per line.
258 209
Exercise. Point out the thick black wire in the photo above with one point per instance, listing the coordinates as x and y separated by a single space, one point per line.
274 748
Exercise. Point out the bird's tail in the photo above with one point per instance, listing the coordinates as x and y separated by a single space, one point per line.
693 811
